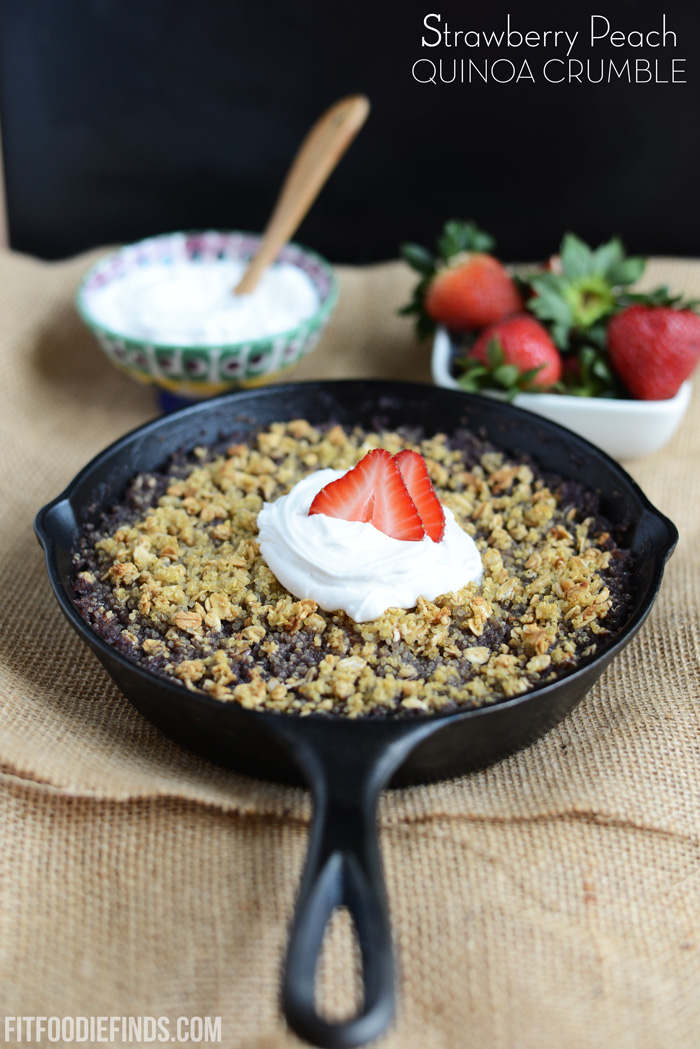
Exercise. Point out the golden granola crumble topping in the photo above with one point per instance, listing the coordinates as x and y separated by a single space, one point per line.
175 579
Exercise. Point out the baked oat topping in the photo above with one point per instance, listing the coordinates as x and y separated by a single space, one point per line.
174 578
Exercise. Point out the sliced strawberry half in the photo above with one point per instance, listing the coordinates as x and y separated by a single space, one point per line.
420 488
373 491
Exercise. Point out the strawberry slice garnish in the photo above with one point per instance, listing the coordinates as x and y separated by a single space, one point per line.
420 488
373 491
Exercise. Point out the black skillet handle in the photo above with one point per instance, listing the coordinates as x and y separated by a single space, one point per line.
343 869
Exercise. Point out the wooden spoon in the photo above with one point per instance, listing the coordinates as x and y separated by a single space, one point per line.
317 156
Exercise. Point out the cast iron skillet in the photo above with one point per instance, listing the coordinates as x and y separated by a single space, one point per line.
346 763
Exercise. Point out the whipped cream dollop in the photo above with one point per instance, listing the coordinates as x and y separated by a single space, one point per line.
192 303
351 565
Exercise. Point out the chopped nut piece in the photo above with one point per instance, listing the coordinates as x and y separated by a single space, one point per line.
253 633
538 663
189 621
220 605
153 647
123 573
477 655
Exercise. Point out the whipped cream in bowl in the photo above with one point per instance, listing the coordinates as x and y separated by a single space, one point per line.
351 566
164 311
184 303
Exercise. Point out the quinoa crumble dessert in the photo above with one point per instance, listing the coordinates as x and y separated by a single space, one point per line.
174 578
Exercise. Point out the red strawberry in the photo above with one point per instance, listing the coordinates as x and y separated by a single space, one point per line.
525 343
654 349
472 291
420 488
372 491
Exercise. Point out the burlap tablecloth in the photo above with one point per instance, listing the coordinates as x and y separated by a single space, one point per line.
552 900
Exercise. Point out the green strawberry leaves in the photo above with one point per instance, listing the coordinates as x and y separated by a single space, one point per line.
458 236
425 325
608 261
590 374
659 297
585 290
419 259
550 305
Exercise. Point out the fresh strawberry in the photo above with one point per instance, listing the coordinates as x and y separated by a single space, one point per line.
472 291
373 491
420 488
464 287
654 349
519 353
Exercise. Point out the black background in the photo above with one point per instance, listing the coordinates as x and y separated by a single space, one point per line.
121 119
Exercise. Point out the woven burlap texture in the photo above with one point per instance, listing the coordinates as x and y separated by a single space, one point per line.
551 900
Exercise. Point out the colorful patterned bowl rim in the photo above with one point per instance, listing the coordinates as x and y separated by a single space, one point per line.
196 244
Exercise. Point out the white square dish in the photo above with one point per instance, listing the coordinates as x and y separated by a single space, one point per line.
625 429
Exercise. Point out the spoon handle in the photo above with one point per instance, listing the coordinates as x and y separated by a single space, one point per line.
317 156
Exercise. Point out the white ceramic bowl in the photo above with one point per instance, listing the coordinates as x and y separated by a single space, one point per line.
623 429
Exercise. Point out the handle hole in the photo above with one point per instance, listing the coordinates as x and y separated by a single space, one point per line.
338 990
